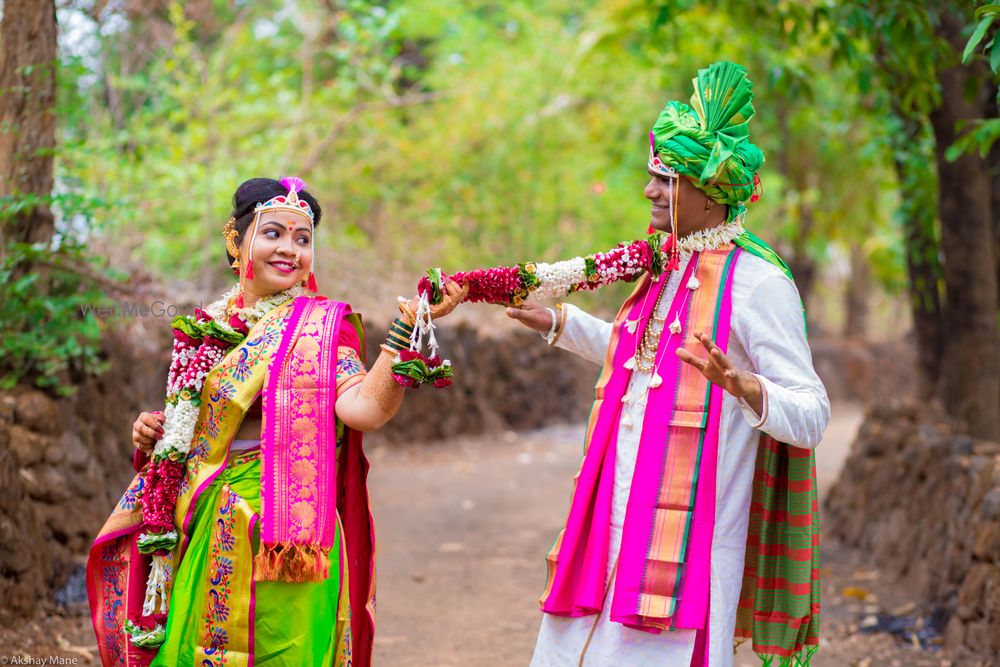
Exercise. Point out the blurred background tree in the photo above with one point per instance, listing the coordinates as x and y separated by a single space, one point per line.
461 133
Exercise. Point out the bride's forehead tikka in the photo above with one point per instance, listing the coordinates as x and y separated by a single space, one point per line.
286 203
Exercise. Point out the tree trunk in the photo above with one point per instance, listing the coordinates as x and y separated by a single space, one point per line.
858 297
970 369
27 115
918 209
802 265
993 160
804 271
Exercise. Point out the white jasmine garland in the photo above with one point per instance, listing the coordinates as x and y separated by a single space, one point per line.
711 239
148 536
556 279
178 429
182 418
250 314
157 588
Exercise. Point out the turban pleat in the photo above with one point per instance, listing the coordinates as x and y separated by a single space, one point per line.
709 140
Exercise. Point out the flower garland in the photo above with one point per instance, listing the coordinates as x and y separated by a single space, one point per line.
412 369
200 343
713 237
513 285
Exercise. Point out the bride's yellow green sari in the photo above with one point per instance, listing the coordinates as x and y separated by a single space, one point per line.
276 558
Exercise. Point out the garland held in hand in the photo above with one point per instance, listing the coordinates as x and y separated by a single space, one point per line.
410 368
513 285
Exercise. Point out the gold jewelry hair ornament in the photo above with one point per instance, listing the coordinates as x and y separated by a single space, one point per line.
229 231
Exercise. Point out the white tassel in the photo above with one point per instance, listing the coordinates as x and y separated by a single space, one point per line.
630 364
157 586
631 325
424 327
627 420
656 380
675 326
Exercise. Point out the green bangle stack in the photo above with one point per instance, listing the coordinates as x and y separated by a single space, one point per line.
399 335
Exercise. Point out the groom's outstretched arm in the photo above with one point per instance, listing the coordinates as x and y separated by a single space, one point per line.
578 331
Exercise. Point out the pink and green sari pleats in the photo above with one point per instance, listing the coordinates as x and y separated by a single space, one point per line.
221 616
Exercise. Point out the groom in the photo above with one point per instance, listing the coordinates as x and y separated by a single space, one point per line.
694 517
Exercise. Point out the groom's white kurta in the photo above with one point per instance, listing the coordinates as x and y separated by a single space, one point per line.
767 338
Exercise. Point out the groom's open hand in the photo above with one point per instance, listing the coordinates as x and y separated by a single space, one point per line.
532 316
718 369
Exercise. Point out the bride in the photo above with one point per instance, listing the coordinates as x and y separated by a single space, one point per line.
249 519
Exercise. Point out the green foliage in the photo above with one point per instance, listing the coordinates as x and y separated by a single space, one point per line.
48 338
981 135
473 132
985 16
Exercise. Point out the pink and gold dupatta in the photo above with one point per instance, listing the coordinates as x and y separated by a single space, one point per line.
303 491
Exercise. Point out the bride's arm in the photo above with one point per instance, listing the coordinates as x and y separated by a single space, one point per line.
370 403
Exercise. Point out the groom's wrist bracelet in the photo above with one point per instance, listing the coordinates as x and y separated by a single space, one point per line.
560 323
551 334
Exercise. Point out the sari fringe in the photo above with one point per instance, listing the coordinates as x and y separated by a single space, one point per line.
802 658
291 562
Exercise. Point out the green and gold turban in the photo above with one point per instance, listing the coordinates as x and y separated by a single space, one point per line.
709 141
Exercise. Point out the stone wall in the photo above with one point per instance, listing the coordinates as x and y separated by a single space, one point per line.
857 370
64 462
924 502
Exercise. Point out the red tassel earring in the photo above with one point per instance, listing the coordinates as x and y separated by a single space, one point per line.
311 285
249 275
758 189
675 259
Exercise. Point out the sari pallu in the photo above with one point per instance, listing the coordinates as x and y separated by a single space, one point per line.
289 360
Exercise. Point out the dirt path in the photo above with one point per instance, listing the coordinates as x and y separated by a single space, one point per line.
463 529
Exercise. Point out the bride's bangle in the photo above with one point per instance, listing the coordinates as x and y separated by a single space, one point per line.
399 334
